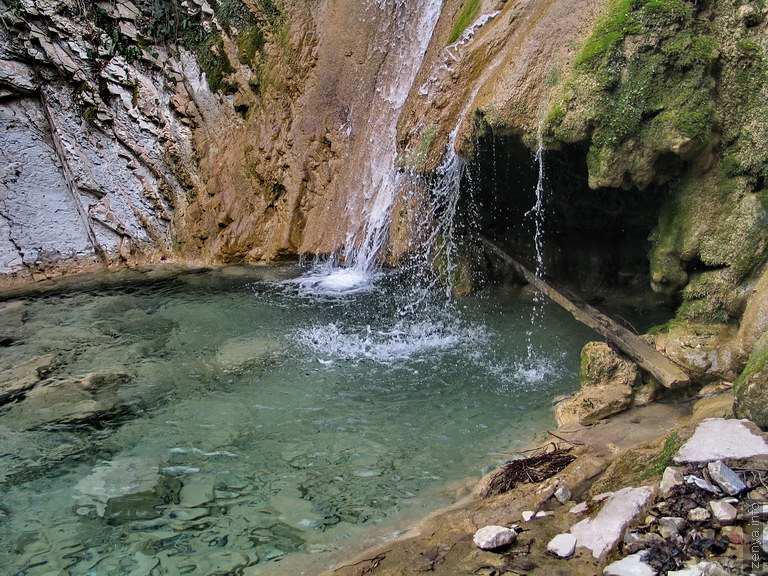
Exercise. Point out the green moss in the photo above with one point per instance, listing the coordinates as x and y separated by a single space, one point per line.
671 445
641 81
469 12
90 114
751 387
609 32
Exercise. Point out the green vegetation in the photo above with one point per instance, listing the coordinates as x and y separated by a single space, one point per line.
642 79
751 387
671 446
469 12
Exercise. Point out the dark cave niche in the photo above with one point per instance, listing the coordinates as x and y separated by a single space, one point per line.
594 241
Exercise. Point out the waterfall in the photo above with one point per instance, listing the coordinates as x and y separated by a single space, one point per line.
371 198
538 214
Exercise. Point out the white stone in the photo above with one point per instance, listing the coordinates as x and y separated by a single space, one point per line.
718 438
601 533
723 511
630 566
702 483
493 537
764 541
699 515
726 478
671 478
563 494
700 569
562 545
528 515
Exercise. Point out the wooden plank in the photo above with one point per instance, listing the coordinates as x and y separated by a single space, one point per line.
637 349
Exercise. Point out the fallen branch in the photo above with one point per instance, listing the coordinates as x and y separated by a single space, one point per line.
571 442
638 350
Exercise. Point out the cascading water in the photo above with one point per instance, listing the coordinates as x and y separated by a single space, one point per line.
370 206
537 213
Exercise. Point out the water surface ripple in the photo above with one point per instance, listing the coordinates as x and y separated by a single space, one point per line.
243 423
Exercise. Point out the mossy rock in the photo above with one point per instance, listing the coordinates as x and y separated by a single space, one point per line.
751 387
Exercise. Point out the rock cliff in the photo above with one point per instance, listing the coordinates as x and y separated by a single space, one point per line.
260 130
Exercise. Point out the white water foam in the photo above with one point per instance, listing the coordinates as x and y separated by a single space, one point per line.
326 279
402 341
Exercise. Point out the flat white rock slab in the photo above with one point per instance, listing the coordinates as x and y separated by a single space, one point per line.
718 438
601 533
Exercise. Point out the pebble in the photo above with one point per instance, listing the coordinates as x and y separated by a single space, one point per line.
494 537
670 526
698 515
563 494
562 545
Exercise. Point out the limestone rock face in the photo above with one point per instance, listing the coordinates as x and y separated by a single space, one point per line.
93 164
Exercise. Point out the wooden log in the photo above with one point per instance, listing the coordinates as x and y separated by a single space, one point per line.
637 349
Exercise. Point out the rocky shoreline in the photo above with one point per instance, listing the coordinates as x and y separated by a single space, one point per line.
644 494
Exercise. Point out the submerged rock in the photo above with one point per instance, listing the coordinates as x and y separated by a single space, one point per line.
239 355
92 397
17 381
128 488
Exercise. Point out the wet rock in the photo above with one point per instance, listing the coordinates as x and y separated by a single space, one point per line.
17 381
601 533
607 379
240 355
93 397
718 438
672 477
723 511
630 566
726 478
494 537
593 403
128 488
562 545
